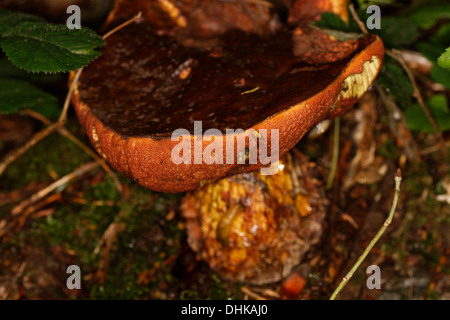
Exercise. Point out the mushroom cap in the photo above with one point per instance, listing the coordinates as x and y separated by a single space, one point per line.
147 84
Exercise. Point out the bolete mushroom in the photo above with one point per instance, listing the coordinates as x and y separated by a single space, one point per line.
225 66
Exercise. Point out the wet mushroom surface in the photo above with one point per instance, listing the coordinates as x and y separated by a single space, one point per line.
149 83
155 85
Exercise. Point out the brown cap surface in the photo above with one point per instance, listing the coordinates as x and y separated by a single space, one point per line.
147 84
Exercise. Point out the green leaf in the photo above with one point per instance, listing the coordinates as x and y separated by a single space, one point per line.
334 26
10 19
438 105
444 60
331 20
397 31
50 48
397 83
17 94
427 16
34 45
8 70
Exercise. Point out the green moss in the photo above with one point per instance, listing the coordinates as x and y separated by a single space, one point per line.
425 223
54 153
189 295
433 295
145 244
388 150
123 288
218 290
104 190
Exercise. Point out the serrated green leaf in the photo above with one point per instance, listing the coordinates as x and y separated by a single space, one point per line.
10 19
332 21
444 60
329 20
427 16
397 31
8 70
397 83
438 105
16 95
37 46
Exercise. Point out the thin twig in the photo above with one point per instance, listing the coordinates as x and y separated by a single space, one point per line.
31 209
38 136
416 92
348 276
252 294
434 148
357 19
107 240
42 193
399 127
123 25
73 85
334 161
67 134
59 125
63 116
63 131
396 54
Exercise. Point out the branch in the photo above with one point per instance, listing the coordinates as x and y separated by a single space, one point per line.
416 92
348 276
42 193
399 127
357 19
396 54
38 136
63 116
67 134
123 25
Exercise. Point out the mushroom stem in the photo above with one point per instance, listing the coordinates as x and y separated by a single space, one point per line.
255 228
